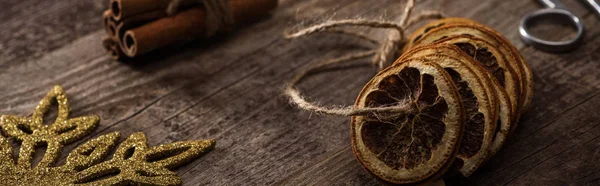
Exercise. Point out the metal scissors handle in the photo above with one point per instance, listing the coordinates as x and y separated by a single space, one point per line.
555 10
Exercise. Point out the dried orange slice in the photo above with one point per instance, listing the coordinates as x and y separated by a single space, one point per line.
470 44
478 97
415 146
520 91
417 34
528 78
505 122
493 60
525 69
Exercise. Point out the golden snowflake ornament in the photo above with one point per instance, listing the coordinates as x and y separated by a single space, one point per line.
133 162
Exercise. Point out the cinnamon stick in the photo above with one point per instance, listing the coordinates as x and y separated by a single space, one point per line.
112 48
111 43
143 18
123 9
187 25
112 28
116 29
106 19
118 38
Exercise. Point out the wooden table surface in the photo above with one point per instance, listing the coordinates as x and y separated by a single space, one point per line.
229 89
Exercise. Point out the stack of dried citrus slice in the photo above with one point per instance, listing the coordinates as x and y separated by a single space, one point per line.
466 87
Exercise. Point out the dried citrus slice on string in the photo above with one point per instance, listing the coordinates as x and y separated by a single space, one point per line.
419 144
524 67
417 34
483 52
492 59
505 71
515 68
478 98
505 121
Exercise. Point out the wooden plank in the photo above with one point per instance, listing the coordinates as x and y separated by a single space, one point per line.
229 88
561 153
30 29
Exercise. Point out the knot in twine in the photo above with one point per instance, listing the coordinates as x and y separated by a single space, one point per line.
218 14
387 52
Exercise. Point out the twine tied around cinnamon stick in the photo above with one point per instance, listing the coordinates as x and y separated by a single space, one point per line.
218 14
388 51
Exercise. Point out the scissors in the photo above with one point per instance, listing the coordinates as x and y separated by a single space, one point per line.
556 11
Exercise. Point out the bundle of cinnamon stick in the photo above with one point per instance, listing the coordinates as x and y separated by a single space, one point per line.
136 27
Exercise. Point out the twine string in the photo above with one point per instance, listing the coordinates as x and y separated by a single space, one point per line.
218 14
381 57
296 98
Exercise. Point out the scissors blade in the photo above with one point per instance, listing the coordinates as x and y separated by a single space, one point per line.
553 4
594 5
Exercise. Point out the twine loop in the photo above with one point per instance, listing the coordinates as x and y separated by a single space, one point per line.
218 14
382 57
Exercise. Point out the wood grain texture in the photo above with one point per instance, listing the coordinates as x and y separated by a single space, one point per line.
229 88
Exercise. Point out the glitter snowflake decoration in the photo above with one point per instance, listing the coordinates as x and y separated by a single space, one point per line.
133 162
